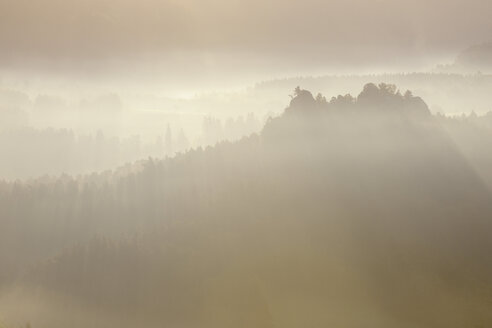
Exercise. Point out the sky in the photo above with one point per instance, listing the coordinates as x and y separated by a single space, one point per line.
195 42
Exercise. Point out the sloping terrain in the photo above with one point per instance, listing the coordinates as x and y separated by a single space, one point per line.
353 212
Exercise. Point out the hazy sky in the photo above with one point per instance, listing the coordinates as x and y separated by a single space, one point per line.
204 38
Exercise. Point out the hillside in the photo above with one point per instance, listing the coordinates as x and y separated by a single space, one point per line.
346 212
478 57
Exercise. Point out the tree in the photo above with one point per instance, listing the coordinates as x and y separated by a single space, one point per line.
168 142
320 99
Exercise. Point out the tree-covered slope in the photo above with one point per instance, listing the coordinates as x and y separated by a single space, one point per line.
357 211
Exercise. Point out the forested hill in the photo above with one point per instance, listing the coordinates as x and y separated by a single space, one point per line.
477 57
349 212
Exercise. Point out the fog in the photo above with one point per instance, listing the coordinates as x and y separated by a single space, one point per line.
195 45
245 163
90 29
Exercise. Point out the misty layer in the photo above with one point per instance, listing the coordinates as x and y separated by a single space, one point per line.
75 30
363 211
60 130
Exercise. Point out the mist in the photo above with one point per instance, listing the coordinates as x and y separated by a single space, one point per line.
245 163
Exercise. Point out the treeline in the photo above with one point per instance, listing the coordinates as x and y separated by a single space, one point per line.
360 204
215 130
27 152
448 93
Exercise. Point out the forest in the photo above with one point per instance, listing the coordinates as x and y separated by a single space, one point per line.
349 211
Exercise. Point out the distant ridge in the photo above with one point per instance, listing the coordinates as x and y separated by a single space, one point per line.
477 57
